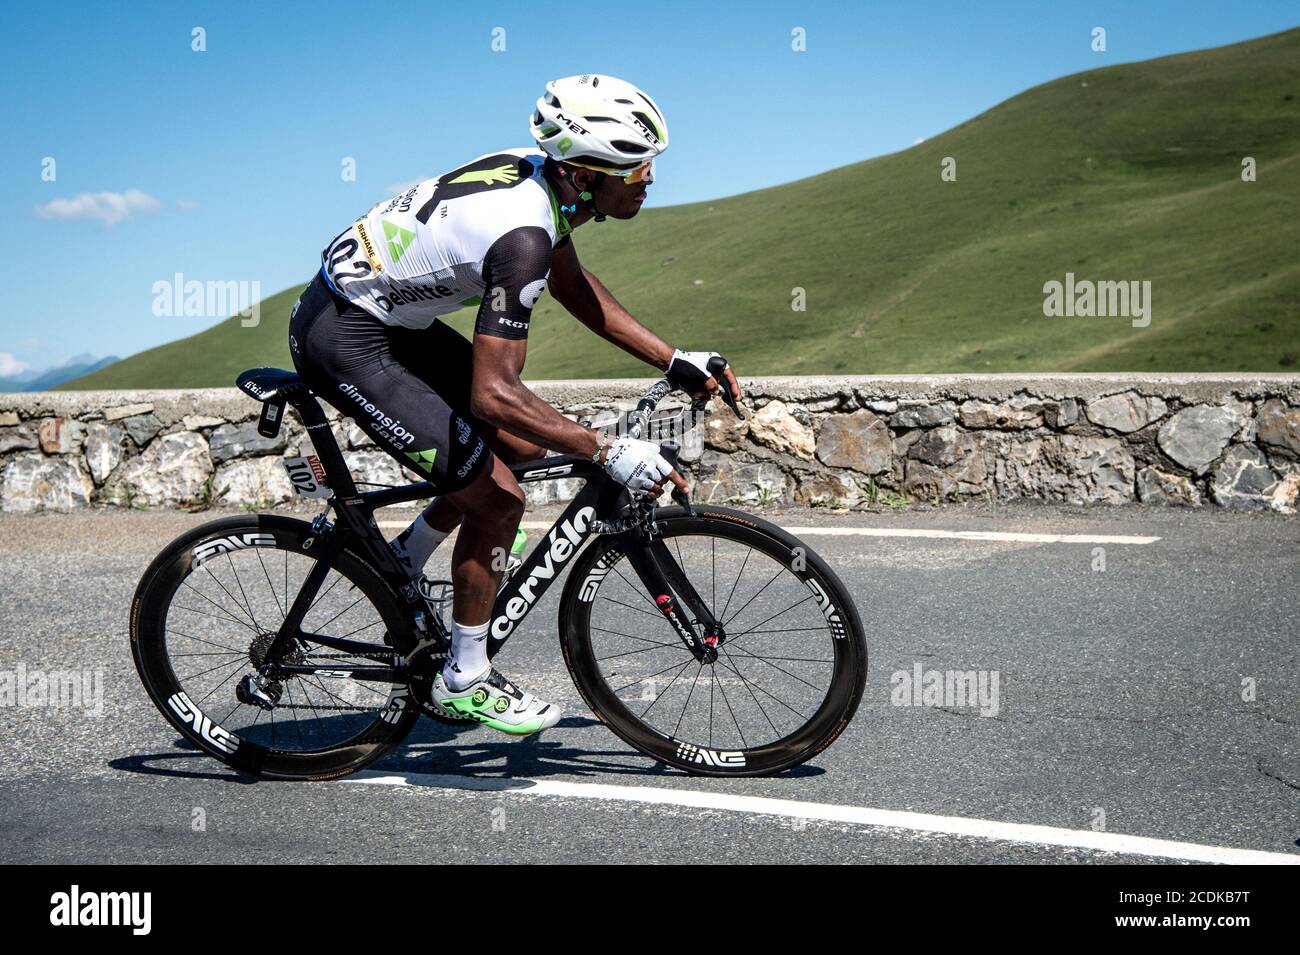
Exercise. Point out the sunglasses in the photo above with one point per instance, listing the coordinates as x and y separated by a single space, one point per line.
642 173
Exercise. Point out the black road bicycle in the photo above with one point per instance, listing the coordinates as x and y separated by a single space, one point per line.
704 637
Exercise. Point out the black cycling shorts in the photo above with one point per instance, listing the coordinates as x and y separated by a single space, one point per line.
407 388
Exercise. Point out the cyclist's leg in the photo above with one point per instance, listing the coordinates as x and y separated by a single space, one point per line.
349 363
444 358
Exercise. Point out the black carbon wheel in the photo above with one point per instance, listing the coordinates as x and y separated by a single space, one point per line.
790 670
202 618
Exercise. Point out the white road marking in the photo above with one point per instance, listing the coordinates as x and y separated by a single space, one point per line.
1011 536
861 815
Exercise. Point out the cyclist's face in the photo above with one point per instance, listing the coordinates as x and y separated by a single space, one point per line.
618 199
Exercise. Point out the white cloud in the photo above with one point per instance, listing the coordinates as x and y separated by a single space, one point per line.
187 205
106 207
9 365
917 142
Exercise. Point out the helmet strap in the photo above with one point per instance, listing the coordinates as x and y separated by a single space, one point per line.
590 200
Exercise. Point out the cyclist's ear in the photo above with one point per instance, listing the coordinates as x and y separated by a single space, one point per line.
582 179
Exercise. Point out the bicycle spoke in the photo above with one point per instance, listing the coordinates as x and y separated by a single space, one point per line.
689 694
247 606
267 575
739 574
207 642
783 670
194 676
630 607
672 683
208 568
750 682
744 682
777 614
232 617
671 666
779 571
740 732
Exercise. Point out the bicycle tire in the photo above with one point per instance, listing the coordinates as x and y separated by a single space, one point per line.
149 649
843 694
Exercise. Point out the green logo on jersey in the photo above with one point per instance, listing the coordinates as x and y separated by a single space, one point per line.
423 459
399 240
489 177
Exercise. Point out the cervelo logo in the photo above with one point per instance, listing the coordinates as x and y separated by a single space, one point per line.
559 550
665 604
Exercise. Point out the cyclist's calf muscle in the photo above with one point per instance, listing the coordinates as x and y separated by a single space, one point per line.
492 505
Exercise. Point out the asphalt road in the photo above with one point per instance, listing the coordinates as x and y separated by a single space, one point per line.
1121 712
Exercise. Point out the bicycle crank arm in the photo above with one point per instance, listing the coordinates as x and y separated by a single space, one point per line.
642 558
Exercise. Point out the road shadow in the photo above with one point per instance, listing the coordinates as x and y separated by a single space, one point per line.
467 753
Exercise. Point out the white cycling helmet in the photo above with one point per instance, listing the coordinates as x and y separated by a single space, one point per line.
599 121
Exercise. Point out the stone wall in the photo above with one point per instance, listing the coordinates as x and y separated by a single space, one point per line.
1187 440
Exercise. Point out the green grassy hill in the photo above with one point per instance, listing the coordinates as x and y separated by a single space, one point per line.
1128 172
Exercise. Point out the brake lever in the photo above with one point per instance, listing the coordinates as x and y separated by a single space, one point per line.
717 365
670 451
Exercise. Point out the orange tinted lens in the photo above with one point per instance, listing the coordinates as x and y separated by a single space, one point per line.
642 173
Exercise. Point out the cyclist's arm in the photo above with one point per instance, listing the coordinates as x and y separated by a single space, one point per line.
514 273
587 299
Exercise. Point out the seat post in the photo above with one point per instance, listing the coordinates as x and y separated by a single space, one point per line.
322 439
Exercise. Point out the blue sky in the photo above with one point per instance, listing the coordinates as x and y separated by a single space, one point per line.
237 151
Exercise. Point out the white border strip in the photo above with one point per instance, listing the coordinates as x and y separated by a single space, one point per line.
915 532
860 815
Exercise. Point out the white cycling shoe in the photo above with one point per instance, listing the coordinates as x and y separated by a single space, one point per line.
496 702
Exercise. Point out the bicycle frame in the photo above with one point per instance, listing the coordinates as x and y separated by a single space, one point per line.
600 499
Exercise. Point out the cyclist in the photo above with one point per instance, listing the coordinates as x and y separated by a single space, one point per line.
493 233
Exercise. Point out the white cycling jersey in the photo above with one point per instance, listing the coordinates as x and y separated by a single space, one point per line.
481 234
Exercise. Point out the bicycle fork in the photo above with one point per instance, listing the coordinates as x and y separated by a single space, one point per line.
672 593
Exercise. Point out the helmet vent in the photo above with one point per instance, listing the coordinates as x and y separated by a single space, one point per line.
650 104
622 145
